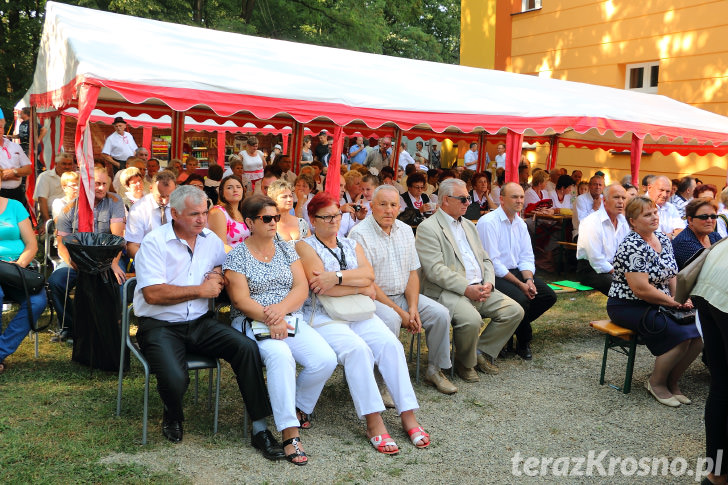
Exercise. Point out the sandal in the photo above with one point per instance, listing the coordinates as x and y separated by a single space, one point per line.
417 440
381 441
304 419
297 451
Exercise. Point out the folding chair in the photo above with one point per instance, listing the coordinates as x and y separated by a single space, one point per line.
50 255
194 362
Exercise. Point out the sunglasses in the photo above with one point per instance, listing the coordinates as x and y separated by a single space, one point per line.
330 218
268 219
705 217
463 200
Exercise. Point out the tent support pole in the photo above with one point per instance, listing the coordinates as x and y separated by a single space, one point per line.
481 152
553 152
178 134
333 175
635 156
221 147
295 146
395 150
514 147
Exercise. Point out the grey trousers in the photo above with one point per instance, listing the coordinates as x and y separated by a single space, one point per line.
435 320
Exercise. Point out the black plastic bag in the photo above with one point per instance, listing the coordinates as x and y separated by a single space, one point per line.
97 305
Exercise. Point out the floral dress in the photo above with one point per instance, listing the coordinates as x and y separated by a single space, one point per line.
235 231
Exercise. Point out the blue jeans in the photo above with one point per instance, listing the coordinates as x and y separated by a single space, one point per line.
18 327
60 295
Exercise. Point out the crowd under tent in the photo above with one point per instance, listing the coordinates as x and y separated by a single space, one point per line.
89 59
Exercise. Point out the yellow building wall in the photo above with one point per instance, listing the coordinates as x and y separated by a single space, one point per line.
593 41
477 33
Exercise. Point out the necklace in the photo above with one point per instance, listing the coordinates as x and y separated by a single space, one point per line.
261 253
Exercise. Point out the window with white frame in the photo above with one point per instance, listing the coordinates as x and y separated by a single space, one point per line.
642 77
527 5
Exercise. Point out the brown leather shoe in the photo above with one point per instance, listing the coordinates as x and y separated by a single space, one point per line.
487 365
467 374
440 382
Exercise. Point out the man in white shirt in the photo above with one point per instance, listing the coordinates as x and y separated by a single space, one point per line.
421 156
119 146
458 274
14 165
670 221
505 238
150 212
179 268
500 157
471 157
48 187
683 195
590 201
404 157
599 236
389 246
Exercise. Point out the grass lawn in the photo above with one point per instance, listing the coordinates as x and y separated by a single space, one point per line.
57 419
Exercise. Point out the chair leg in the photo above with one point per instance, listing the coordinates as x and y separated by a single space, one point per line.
209 390
417 371
217 399
452 360
412 341
197 379
35 334
604 360
630 365
146 404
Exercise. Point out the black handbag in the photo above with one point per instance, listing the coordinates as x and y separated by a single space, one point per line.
21 278
31 282
683 317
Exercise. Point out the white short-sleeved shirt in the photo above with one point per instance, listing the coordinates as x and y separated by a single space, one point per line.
392 255
144 216
507 243
12 156
163 258
500 160
405 159
120 147
584 205
48 186
471 159
669 218
598 239
565 204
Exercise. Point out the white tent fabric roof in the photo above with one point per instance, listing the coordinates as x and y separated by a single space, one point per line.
143 60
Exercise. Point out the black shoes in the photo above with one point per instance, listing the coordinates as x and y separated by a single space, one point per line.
524 352
268 445
172 430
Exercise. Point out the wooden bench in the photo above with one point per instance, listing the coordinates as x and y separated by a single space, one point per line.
563 248
621 340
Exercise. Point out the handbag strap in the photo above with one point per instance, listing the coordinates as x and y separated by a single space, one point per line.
27 296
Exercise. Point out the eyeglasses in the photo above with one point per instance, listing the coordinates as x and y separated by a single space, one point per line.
463 200
705 217
267 219
330 218
418 187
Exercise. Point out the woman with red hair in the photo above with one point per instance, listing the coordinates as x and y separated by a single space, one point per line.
338 267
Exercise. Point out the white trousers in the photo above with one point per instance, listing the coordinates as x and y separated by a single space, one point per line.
435 320
286 391
360 345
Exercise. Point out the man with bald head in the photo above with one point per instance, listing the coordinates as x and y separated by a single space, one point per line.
599 236
670 221
389 246
505 238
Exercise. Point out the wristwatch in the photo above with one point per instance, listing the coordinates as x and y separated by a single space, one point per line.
15 172
340 275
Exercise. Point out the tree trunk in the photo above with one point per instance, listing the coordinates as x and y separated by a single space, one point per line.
246 10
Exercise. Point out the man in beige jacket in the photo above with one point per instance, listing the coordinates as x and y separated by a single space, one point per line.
458 274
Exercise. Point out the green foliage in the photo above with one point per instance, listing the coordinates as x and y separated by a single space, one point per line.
418 29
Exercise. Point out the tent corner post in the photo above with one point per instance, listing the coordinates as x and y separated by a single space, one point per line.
514 147
635 157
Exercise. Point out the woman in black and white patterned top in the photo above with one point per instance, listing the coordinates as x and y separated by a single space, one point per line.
338 267
266 282
644 280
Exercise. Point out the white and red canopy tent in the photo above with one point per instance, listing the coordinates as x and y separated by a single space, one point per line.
92 59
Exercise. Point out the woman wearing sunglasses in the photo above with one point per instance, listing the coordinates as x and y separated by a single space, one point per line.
266 283
701 214
337 266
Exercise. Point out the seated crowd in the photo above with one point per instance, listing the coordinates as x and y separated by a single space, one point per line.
285 251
